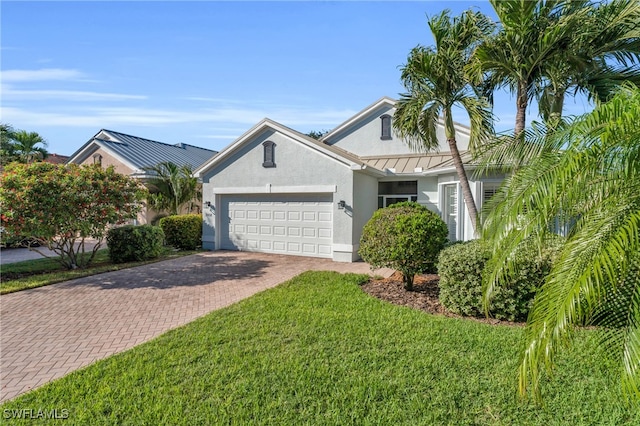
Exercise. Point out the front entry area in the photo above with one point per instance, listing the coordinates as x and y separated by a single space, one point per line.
293 224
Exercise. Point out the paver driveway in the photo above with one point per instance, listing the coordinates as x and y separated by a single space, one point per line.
50 331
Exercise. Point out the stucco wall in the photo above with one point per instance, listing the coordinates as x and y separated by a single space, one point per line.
363 137
107 160
365 203
298 169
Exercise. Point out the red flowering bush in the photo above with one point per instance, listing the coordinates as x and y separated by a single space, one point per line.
62 205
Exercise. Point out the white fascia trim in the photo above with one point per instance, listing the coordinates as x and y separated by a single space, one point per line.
382 101
318 148
348 248
270 189
95 145
368 170
445 170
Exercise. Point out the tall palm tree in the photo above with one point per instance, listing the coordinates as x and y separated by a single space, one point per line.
435 80
592 189
604 52
25 149
172 187
532 34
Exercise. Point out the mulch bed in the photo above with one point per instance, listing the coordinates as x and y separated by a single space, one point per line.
423 297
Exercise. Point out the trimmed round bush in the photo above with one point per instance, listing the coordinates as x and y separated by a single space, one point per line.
131 243
183 232
404 236
461 268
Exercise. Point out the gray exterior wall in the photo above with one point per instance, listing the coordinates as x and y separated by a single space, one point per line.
363 137
299 169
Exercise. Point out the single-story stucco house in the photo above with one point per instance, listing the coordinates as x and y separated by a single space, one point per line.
129 155
276 190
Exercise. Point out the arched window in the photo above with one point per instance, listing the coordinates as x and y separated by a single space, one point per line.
385 122
269 154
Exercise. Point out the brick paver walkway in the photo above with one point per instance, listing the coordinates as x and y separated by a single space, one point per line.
50 331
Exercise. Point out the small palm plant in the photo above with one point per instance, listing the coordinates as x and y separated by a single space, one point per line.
591 189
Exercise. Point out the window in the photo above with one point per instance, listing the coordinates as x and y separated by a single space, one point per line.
269 154
385 122
396 192
489 189
97 159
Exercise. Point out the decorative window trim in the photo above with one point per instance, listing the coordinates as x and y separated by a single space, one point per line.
385 127
97 159
269 154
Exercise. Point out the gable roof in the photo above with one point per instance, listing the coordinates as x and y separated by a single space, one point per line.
385 101
137 152
345 157
390 103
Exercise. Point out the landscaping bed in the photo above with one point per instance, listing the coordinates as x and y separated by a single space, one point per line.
424 296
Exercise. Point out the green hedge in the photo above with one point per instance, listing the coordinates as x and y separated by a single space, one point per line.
404 236
134 243
461 268
183 231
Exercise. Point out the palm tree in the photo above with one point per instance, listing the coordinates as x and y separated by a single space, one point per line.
25 149
6 143
532 34
172 187
592 189
603 54
436 82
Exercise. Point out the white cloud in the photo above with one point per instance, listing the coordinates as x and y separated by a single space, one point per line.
44 74
67 95
243 118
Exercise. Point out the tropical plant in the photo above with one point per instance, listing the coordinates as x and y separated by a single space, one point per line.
61 206
404 236
544 49
6 143
25 147
531 35
603 54
435 80
171 187
591 189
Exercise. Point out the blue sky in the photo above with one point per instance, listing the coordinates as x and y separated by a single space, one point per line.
205 72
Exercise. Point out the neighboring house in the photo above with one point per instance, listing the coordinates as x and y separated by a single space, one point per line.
56 159
279 191
131 154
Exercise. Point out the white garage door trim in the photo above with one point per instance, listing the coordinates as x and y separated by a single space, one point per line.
292 224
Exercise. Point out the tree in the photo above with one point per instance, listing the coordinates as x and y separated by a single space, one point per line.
531 35
6 143
60 206
172 187
317 134
604 52
404 236
25 146
436 81
592 190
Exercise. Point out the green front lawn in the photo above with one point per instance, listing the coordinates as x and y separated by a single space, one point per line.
40 272
317 350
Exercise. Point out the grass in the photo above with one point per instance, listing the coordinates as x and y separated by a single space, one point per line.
40 272
317 350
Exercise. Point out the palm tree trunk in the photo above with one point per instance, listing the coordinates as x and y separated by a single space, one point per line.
464 184
521 110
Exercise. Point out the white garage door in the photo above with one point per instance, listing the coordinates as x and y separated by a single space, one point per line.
288 224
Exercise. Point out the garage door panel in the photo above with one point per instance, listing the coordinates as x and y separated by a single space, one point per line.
280 223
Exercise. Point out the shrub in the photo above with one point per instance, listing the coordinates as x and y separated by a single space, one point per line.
131 243
60 206
183 231
461 268
406 237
